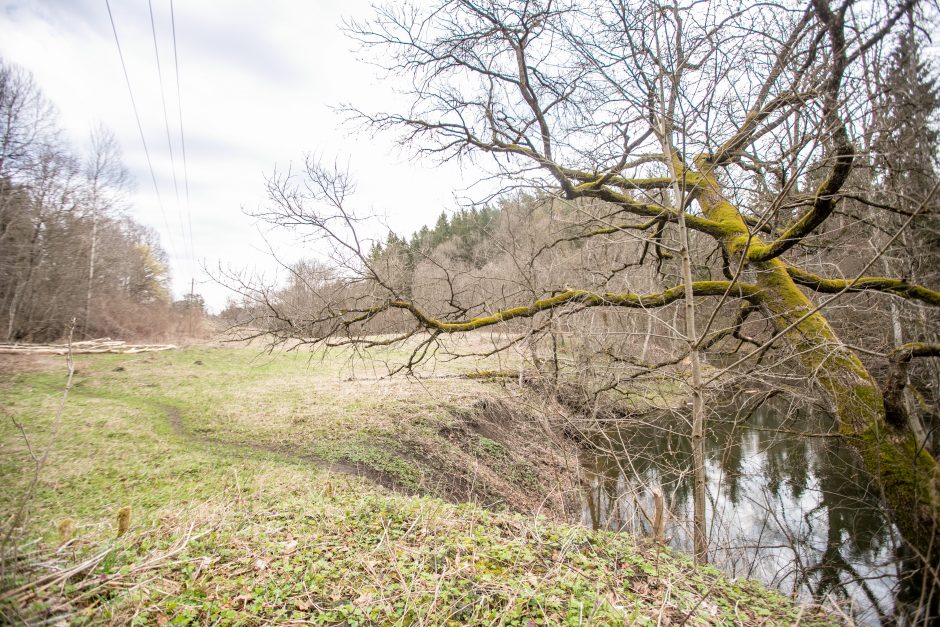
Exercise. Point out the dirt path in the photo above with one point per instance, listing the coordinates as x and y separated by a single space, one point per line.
175 419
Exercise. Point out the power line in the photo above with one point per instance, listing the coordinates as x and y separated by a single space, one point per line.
140 127
179 107
179 101
166 123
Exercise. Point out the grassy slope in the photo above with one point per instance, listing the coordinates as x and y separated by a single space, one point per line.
223 457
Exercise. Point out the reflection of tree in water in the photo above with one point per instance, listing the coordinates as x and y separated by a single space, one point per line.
820 505
916 591
657 457
856 529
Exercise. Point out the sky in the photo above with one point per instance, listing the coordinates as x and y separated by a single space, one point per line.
258 86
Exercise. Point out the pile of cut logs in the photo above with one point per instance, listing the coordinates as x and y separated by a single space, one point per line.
101 345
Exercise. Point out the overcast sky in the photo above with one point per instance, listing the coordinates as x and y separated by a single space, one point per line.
257 83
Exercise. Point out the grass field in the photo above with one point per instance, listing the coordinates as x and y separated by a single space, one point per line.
287 488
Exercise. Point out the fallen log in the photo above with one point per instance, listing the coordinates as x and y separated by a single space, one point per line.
101 345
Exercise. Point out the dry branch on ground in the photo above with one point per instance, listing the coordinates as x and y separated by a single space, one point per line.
100 345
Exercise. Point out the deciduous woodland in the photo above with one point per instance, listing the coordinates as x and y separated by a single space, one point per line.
68 248
747 191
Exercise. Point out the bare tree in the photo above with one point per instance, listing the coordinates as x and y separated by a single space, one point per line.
26 121
106 177
66 248
729 129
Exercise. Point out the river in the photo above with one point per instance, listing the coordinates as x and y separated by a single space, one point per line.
798 513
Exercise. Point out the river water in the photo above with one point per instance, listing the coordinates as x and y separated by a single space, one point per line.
796 512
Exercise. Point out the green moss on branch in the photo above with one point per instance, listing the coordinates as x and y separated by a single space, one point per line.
579 297
631 205
887 285
591 180
906 352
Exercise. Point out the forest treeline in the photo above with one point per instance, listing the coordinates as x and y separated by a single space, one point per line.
68 248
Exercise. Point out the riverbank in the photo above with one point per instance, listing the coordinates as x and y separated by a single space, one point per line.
258 492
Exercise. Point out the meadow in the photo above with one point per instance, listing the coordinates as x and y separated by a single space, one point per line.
306 488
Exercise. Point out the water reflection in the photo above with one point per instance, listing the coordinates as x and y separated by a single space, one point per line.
799 513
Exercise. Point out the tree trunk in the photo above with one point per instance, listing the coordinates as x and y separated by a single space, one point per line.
908 475
91 271
700 531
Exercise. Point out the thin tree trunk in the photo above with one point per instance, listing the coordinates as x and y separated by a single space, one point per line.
91 271
700 531
698 406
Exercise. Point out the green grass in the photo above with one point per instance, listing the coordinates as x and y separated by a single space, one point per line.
224 455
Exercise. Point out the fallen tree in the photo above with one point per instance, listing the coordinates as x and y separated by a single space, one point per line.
100 345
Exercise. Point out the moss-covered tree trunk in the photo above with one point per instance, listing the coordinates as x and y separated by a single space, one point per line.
908 475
